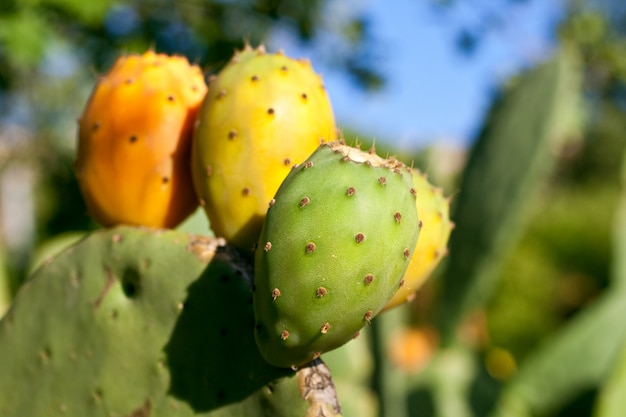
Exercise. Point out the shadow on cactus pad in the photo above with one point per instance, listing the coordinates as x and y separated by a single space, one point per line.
211 354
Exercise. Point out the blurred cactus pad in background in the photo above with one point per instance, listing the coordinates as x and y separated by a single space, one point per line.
214 242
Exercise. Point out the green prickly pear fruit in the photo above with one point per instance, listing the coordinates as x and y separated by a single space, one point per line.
432 246
265 113
134 141
336 241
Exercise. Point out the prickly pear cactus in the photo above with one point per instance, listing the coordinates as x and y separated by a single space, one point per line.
138 322
432 246
335 243
134 141
265 113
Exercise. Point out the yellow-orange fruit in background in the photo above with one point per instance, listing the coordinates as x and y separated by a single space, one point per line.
134 141
410 349
434 214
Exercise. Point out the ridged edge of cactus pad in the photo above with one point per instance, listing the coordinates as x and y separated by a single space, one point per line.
142 322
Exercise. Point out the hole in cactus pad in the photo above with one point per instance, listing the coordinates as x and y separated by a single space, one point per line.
131 283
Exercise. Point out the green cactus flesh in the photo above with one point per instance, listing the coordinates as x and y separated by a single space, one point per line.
334 246
139 322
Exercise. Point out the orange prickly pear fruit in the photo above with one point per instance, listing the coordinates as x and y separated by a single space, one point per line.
264 114
435 228
134 141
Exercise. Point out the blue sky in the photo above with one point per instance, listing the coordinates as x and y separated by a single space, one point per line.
434 93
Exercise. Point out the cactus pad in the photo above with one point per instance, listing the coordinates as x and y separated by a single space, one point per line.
265 113
335 244
137 322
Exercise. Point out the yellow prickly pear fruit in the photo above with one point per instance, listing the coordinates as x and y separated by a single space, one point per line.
435 228
264 114
134 141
